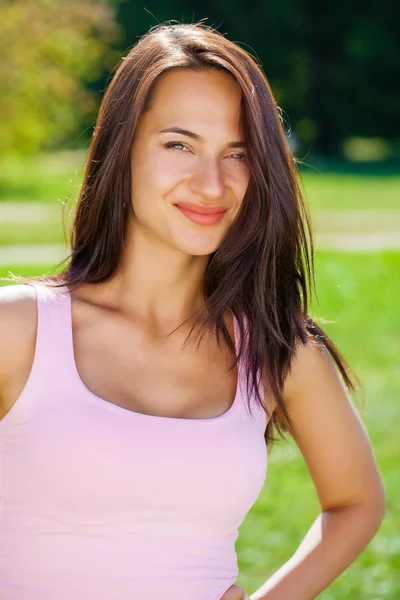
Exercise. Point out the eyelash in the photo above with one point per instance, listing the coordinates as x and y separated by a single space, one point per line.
171 146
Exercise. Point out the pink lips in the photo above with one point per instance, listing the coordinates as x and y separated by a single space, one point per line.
202 218
203 209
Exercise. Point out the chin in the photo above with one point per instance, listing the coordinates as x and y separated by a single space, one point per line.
198 250
196 247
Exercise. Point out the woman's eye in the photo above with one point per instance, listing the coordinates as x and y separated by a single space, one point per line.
238 156
175 145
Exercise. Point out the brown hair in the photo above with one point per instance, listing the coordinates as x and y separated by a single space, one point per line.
263 270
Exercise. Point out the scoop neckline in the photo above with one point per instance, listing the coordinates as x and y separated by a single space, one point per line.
121 409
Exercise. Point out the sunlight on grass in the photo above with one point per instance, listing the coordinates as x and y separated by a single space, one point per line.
345 192
42 178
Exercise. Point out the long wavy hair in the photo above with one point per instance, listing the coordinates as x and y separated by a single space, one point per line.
263 271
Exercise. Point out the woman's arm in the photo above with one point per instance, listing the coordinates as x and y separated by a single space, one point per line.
335 446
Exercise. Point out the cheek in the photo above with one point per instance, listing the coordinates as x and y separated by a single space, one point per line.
244 183
158 172
239 178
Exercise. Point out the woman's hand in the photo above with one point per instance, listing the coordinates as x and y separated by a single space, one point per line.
235 592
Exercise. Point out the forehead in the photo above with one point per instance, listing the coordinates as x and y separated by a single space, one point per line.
197 98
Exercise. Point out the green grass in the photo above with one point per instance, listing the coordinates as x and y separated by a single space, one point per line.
358 292
24 271
42 178
352 192
42 226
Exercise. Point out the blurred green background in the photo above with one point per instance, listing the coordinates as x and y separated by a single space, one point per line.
334 70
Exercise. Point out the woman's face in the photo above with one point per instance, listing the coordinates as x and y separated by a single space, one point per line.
188 147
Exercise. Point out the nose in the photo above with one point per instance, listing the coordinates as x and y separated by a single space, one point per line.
208 181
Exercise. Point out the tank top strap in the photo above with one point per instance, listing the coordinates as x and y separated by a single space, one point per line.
256 413
52 335
48 376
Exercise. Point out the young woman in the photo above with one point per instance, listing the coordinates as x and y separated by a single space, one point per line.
130 455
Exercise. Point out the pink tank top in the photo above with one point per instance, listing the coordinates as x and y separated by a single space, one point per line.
98 502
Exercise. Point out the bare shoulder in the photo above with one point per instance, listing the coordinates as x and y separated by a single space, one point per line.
311 363
313 386
18 323
17 302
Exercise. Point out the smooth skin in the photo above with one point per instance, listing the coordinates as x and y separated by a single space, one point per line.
159 285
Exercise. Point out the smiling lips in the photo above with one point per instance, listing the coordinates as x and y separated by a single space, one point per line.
202 209
202 215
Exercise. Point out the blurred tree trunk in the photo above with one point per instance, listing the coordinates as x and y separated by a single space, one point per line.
321 91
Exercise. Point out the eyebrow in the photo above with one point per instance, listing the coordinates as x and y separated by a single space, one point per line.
198 138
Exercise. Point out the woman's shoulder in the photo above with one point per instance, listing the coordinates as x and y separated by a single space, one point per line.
18 322
17 302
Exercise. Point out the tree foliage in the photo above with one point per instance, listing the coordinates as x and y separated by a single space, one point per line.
333 66
51 49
